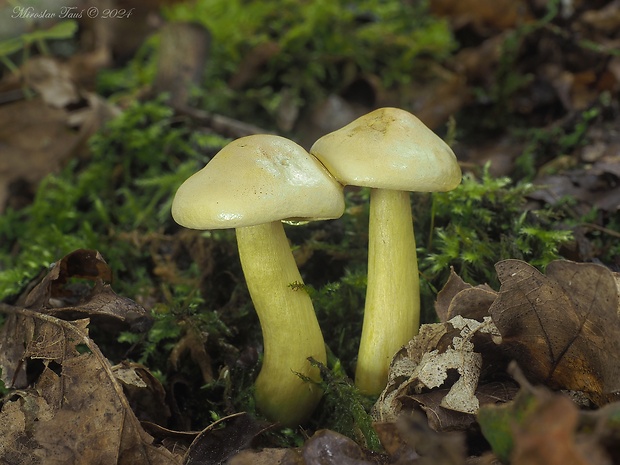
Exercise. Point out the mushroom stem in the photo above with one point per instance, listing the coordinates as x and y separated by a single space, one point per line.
291 331
392 310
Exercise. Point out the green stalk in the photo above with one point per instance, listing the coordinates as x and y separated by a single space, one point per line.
291 331
392 311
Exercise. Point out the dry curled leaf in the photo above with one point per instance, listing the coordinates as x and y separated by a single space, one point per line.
410 440
459 298
442 356
76 411
541 427
59 294
144 392
562 328
548 437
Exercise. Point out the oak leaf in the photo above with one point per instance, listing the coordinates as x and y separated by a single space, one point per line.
563 327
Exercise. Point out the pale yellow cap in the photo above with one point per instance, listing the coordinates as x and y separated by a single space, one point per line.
258 179
389 148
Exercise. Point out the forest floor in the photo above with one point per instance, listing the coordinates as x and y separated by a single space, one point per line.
129 339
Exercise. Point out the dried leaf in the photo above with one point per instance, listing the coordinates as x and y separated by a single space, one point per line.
453 286
57 295
77 412
538 427
459 298
441 356
592 188
35 142
443 419
563 328
548 436
52 291
606 19
394 445
144 392
410 440
52 80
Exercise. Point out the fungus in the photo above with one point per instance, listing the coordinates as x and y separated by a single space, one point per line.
392 152
252 185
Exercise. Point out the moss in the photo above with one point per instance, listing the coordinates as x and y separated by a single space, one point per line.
137 163
484 221
320 46
344 409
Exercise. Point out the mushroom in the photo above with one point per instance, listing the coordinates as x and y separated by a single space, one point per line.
251 185
392 152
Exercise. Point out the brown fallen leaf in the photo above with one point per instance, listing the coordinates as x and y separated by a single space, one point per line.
58 294
393 444
442 356
52 80
594 187
563 328
548 437
605 20
35 142
39 134
541 427
51 291
76 412
144 392
443 419
550 434
409 440
459 298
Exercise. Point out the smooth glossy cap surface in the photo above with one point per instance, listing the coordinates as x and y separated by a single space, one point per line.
258 179
389 148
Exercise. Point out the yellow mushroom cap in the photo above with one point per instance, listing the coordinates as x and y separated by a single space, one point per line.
389 148
254 180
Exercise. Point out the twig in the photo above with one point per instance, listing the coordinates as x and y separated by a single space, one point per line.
221 124
602 229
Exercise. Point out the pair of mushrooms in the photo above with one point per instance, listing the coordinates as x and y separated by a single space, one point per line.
388 150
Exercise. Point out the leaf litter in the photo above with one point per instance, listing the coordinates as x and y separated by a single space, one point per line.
50 359
72 408
546 371
68 404
562 327
539 365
